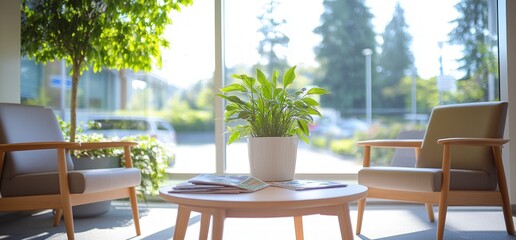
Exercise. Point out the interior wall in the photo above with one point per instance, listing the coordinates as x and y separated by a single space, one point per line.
10 18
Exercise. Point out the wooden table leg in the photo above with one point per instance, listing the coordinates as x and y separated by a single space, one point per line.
346 230
219 215
205 226
298 225
183 215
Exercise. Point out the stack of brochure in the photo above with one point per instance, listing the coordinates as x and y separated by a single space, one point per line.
302 184
216 183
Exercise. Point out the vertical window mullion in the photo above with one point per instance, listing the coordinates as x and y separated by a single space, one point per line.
220 141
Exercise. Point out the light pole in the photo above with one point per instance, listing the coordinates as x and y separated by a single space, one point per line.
369 112
441 72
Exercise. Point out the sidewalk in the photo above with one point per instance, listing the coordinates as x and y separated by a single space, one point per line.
201 158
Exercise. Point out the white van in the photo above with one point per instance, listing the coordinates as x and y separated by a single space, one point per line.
122 126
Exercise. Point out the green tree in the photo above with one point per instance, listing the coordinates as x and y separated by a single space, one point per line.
473 33
96 33
427 93
272 39
346 30
395 60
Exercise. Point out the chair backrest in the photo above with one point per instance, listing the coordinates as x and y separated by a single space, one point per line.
406 157
483 120
23 123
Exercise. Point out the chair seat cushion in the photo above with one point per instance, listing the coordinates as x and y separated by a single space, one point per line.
424 179
80 181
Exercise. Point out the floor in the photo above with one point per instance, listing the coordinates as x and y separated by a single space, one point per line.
381 221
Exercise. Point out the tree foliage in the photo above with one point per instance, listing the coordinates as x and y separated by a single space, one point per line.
395 60
96 33
472 32
346 30
272 38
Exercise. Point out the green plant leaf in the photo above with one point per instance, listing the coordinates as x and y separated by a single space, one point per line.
238 76
228 114
318 90
310 101
302 136
265 88
249 81
231 107
275 76
289 76
235 135
233 99
313 111
301 104
244 115
233 87
303 126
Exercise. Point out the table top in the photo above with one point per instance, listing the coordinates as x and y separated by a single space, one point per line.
270 196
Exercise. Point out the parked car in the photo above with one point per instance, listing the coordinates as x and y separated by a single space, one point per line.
122 126
335 126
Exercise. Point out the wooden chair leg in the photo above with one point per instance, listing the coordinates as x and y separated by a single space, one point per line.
68 218
441 221
445 189
58 214
443 209
507 213
360 208
134 208
502 185
430 212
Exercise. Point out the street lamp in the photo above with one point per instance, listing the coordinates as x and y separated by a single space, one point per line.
369 112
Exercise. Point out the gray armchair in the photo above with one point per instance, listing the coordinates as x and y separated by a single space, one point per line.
457 163
36 171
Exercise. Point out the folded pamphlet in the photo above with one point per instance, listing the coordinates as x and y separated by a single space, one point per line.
302 184
216 183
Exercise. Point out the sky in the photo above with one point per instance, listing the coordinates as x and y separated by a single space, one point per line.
191 55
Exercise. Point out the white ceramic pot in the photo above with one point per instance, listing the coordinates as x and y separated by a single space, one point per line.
272 158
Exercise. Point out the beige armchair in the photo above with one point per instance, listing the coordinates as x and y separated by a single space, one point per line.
457 163
36 171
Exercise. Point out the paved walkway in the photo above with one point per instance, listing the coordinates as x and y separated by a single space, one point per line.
201 158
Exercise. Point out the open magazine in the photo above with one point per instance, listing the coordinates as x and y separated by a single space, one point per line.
216 183
302 184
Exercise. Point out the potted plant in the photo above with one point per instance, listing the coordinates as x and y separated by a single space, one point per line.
273 117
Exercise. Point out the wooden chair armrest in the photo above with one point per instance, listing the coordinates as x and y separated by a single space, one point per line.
98 145
494 143
387 143
28 146
36 146
474 141
392 143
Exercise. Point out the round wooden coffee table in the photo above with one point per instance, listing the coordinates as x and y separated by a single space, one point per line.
265 203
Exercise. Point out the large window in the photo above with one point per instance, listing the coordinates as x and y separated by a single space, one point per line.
387 63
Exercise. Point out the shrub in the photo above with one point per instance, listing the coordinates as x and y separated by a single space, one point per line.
150 156
379 156
344 147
